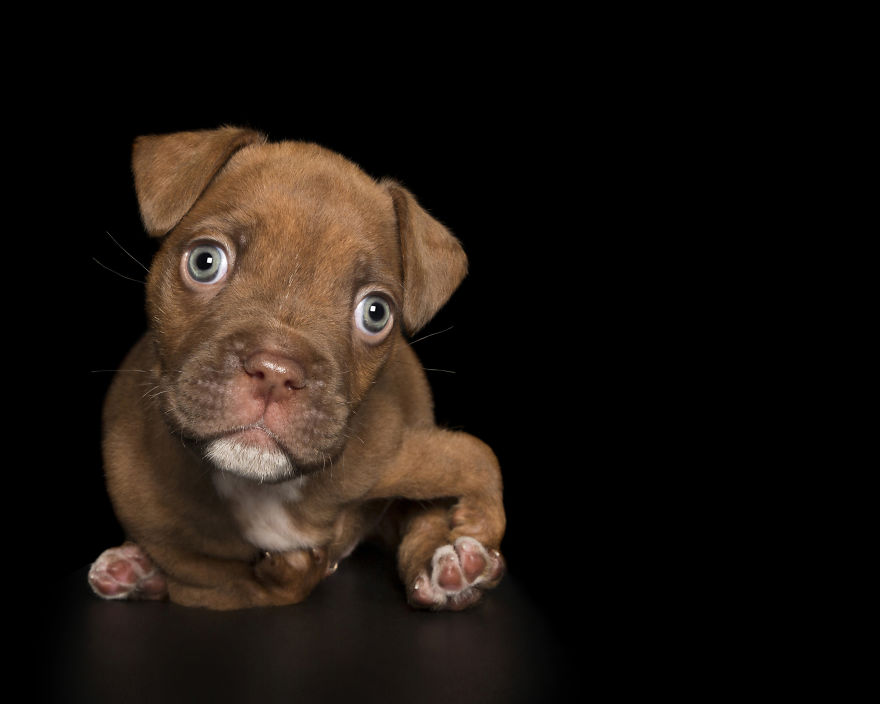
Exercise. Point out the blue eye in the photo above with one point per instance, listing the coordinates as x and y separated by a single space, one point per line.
373 315
207 263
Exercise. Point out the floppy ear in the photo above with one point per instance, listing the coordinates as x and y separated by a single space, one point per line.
171 171
434 262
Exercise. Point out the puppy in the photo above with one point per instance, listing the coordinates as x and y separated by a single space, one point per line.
274 414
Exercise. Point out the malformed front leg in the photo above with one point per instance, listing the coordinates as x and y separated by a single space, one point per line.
449 550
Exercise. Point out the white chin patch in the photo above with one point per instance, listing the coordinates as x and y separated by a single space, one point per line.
257 463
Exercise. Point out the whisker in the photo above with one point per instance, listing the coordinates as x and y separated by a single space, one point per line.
430 369
137 281
98 371
152 388
431 335
127 252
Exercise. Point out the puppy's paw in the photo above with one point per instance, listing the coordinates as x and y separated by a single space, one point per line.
127 573
457 576
293 573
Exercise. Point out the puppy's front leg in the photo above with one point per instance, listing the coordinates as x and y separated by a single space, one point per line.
274 579
131 572
447 556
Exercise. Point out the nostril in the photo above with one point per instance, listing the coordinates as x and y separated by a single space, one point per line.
273 374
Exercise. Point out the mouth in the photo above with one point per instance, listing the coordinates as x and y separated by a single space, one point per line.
256 435
253 452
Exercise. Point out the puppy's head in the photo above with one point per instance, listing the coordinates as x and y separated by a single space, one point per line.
281 285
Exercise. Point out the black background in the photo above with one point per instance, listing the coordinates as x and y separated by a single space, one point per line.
600 177
502 168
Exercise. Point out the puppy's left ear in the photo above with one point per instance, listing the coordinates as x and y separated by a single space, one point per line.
434 262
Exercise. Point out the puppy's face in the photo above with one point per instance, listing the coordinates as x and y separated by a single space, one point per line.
274 302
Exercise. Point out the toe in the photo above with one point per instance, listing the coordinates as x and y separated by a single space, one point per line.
446 569
153 587
472 557
497 566
122 571
423 594
450 577
104 585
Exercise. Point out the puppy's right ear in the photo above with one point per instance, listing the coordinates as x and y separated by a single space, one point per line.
171 171
434 262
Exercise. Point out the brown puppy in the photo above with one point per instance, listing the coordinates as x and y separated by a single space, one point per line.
274 414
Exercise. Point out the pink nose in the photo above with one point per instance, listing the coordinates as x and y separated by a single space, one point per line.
274 376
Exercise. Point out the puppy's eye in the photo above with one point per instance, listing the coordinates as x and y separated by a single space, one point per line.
373 315
207 263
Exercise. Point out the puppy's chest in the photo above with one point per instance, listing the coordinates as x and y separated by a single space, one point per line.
266 512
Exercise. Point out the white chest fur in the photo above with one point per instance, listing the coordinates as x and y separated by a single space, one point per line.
263 511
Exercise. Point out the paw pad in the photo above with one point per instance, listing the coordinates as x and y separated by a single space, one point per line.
126 573
457 575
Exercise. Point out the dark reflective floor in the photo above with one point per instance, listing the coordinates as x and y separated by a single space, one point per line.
353 640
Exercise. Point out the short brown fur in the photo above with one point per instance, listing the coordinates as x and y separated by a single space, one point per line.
306 231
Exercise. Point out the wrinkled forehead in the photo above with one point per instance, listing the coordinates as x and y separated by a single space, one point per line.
294 202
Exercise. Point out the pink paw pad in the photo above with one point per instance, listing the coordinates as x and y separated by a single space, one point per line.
126 573
458 573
